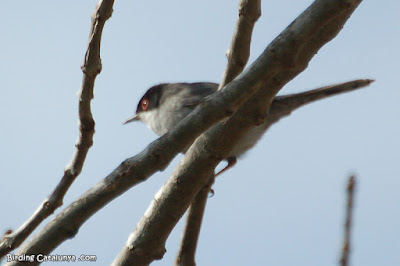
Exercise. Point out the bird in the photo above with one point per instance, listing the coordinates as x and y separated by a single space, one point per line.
164 105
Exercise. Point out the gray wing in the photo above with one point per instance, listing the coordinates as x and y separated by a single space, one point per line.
203 89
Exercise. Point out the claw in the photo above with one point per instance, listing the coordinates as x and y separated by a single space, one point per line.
231 162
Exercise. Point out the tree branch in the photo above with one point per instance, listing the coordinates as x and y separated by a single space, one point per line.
284 58
239 52
237 55
349 211
187 250
91 67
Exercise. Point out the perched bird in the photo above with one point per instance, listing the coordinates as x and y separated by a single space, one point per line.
163 106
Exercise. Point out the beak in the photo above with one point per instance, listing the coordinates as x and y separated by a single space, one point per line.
131 119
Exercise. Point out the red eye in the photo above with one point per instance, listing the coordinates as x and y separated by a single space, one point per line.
145 104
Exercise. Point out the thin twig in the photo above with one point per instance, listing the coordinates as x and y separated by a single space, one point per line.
237 55
344 261
91 67
187 249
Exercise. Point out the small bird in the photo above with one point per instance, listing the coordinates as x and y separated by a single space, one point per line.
163 106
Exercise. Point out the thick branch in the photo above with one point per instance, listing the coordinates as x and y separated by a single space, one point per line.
286 57
91 67
237 55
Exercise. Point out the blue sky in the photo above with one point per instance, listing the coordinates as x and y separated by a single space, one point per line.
283 204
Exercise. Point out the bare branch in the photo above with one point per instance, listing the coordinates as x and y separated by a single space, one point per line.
349 211
237 55
284 58
239 52
187 250
91 68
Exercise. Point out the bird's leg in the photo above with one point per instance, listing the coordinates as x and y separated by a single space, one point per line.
231 162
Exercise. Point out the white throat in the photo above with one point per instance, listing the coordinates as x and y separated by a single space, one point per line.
151 119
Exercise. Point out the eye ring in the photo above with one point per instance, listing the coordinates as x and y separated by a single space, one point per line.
144 104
